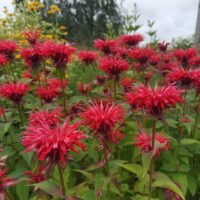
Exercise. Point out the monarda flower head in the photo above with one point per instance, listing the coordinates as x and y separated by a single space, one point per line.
13 91
8 48
144 142
154 100
87 57
53 145
3 60
106 46
131 40
34 56
103 118
36 176
183 78
162 46
84 88
32 36
183 56
51 118
59 53
113 66
5 183
127 84
141 55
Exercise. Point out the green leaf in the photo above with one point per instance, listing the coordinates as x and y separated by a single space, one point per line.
85 173
164 181
27 157
4 129
49 187
188 141
146 161
22 191
134 168
192 185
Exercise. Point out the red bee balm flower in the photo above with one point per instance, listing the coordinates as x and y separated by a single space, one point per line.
52 118
5 183
183 78
8 48
14 91
59 53
34 56
142 55
102 117
32 36
87 57
155 100
113 66
144 142
37 176
3 60
132 40
106 46
53 145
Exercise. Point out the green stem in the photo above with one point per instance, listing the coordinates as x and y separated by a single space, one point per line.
62 181
196 119
114 88
63 90
152 161
12 73
20 114
9 195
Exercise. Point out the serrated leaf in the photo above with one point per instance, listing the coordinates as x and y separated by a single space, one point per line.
85 173
146 161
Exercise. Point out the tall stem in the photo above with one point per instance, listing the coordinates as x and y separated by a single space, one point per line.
152 160
62 181
12 73
63 90
20 113
114 88
196 119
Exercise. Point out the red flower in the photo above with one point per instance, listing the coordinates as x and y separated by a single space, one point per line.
84 88
14 91
163 46
113 66
52 90
132 40
100 79
37 176
183 78
51 118
154 60
106 46
47 93
127 84
141 55
121 52
5 183
53 145
8 48
2 111
184 56
3 60
195 61
34 56
155 100
144 142
87 57
32 36
102 118
59 53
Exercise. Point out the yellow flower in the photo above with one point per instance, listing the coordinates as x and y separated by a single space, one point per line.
18 56
62 27
41 5
65 33
14 2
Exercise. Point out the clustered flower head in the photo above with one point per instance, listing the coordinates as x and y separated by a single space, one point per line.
3 60
106 46
87 57
8 48
103 118
13 91
141 55
113 66
183 78
51 91
131 40
154 100
59 53
5 183
32 36
52 144
144 142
